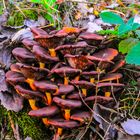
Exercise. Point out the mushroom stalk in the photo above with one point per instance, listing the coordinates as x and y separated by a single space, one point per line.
67 114
92 80
30 82
84 92
59 131
107 94
32 104
52 52
45 121
41 65
49 97
66 80
77 78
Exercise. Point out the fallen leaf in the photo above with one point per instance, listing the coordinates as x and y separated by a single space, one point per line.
131 126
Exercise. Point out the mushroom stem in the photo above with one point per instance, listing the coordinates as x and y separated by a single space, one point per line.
63 96
77 78
52 52
41 65
84 91
45 121
66 80
67 114
30 82
92 80
59 131
32 104
107 94
49 97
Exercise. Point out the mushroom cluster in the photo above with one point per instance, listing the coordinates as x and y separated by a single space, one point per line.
59 70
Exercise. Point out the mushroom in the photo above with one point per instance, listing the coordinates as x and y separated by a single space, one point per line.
71 48
67 105
32 96
78 61
99 99
62 124
44 113
84 85
33 73
91 75
91 38
28 43
15 67
50 41
72 30
23 55
42 56
81 116
47 87
75 96
14 78
66 72
64 90
107 85
105 55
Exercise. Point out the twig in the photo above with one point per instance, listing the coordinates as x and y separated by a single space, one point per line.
4 5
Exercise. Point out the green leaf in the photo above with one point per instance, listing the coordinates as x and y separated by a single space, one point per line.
130 21
135 26
124 28
36 1
111 18
133 57
127 44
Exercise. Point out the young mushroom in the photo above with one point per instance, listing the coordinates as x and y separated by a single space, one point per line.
23 55
44 113
42 56
14 78
47 87
106 86
32 96
67 105
61 124
66 72
50 41
84 85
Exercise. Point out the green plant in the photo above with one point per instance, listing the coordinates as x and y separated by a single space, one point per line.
130 44
51 7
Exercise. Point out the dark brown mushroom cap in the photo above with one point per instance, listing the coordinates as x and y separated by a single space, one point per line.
64 89
99 99
66 71
42 55
39 33
91 36
78 61
67 103
81 44
44 112
15 67
46 40
28 43
83 84
81 116
90 73
28 93
14 77
117 65
105 55
45 86
61 123
111 77
23 55
108 84
75 96
33 72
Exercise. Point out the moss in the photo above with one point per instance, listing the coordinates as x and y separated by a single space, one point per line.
28 126
17 18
